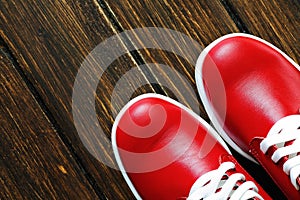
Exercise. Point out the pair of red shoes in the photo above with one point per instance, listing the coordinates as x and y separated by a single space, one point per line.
251 92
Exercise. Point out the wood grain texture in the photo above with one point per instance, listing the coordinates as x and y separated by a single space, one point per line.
195 19
50 40
275 21
35 163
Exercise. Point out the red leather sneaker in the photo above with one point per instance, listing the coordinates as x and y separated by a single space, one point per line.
165 151
251 92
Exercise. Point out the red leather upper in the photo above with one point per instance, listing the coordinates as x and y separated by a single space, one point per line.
261 87
194 151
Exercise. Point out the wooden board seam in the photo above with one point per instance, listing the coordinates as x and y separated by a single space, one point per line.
51 119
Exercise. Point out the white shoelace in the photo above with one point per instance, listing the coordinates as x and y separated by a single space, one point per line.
285 130
213 186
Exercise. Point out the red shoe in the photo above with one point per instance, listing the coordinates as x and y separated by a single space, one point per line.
248 87
165 151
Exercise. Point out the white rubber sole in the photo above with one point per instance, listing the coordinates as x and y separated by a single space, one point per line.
122 112
201 90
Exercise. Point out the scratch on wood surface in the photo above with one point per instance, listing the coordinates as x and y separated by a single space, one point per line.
62 169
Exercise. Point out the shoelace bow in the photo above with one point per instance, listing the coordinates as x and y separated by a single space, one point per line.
284 136
217 185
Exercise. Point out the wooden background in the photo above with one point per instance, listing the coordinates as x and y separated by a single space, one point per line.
42 46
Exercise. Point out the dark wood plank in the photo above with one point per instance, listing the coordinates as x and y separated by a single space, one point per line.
275 21
198 20
35 163
50 41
